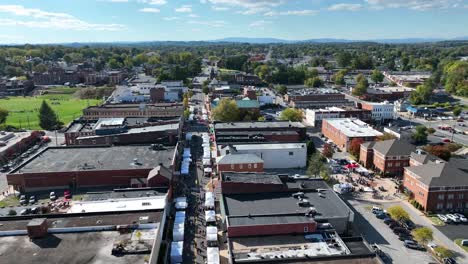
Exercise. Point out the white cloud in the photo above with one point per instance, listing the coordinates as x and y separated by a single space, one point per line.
306 12
193 15
171 18
254 10
43 19
214 23
184 9
420 5
249 6
259 23
153 2
149 10
220 8
117 1
345 7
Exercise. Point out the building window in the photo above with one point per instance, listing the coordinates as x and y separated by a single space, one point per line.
460 205
240 166
450 196
94 142
449 205
255 165
461 196
390 164
440 196
249 166
440 206
306 229
232 166
291 153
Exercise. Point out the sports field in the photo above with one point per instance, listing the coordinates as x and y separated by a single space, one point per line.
24 111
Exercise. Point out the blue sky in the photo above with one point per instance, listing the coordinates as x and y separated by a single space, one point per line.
52 21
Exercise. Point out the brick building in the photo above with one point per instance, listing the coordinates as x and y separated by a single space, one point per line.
239 163
162 110
316 98
439 186
342 130
85 167
15 86
314 117
388 157
380 111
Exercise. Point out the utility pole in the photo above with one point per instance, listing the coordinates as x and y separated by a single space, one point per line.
56 140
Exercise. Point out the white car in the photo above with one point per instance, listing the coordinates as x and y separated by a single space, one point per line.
443 218
452 217
461 217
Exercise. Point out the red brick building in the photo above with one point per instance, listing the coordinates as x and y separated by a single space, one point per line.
388 157
342 130
84 167
239 163
162 110
439 186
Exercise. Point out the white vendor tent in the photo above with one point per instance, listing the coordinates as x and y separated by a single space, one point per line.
210 216
211 233
212 255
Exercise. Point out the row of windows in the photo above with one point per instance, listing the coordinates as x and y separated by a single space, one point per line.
450 196
451 206
241 166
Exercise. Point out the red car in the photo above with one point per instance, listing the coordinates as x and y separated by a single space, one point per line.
446 140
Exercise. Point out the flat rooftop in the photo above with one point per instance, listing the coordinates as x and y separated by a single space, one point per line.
353 127
249 125
116 205
280 145
62 159
71 220
251 178
281 207
84 247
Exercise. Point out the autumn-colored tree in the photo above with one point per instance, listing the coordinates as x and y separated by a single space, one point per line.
442 152
355 147
386 136
327 151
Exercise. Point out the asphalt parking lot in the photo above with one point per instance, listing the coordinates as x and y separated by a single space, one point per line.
375 231
454 231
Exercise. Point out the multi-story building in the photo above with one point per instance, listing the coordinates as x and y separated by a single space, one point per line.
15 86
380 111
380 94
439 186
316 98
342 130
388 157
162 110
314 117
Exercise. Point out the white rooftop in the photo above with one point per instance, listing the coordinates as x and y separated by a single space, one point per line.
116 205
353 127
270 146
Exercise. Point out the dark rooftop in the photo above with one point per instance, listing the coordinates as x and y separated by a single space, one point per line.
449 174
281 207
244 125
251 178
394 147
61 159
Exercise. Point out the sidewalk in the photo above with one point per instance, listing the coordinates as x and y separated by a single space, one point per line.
439 237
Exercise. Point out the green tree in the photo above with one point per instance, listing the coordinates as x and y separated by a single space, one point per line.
226 111
398 213
361 86
386 136
315 164
291 114
262 119
327 151
314 82
3 115
377 76
457 111
422 234
339 78
420 134
344 59
282 89
48 120
431 131
443 252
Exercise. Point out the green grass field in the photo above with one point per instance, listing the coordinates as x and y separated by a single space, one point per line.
24 110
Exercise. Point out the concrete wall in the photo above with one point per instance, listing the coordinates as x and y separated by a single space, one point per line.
259 230
281 158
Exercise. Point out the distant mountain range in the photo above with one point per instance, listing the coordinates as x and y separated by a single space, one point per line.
332 40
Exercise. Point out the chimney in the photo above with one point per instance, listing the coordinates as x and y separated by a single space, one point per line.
37 228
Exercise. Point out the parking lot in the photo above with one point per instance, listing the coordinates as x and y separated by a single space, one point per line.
454 231
375 231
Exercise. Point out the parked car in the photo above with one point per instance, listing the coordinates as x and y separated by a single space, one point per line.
34 210
25 211
394 225
388 221
464 242
432 246
449 261
404 237
443 218
23 200
381 215
413 245
52 196
408 224
32 199
462 218
453 218
401 230
376 210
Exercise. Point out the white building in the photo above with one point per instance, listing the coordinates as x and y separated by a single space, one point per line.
274 155
313 116
380 111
